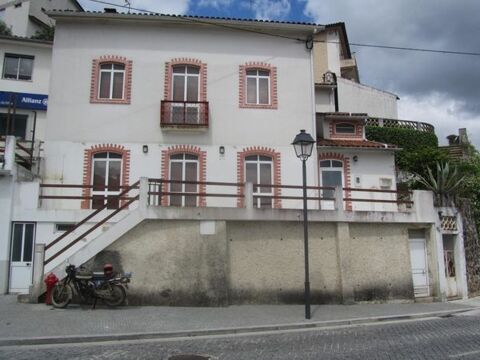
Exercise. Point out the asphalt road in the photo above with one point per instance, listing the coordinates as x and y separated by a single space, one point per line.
440 338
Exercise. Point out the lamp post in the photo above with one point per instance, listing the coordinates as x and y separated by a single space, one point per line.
303 145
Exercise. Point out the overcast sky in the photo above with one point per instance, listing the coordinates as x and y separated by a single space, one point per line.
440 89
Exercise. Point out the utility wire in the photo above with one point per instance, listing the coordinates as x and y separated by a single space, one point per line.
231 27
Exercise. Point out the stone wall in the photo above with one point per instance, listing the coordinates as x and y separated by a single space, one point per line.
175 262
472 247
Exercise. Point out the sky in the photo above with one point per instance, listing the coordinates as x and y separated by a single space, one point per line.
440 89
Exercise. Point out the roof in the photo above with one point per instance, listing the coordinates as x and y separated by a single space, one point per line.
77 4
362 144
25 39
285 25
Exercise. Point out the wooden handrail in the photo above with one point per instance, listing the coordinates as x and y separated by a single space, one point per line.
380 201
97 225
86 219
81 186
68 197
379 190
21 147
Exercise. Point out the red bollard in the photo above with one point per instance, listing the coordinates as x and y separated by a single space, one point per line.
50 281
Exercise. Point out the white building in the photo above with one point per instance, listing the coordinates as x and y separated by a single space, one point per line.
26 17
210 107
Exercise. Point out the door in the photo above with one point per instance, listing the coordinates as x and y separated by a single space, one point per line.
185 109
106 179
21 257
449 260
259 170
184 171
331 175
418 259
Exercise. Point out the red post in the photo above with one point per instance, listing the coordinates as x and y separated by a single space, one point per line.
50 281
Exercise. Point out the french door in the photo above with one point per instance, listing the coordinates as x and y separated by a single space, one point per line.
259 170
21 257
183 168
106 179
186 79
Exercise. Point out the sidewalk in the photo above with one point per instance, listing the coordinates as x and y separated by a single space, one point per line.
38 323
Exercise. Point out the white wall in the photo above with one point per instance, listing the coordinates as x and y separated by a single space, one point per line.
17 18
324 100
6 204
72 117
357 98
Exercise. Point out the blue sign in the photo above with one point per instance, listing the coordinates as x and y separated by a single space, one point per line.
23 100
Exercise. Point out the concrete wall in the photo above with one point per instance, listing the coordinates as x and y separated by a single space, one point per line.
357 98
178 262
16 18
6 204
326 52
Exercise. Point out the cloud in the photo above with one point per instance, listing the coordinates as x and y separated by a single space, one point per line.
445 114
269 9
417 77
217 4
163 6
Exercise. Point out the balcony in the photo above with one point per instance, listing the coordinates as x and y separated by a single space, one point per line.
184 114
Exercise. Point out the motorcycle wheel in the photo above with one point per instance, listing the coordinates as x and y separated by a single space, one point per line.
118 296
62 294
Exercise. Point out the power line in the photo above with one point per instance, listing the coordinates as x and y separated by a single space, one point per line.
231 27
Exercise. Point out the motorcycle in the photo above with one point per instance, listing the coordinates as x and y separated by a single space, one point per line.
90 286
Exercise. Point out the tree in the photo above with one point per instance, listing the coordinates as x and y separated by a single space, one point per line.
46 33
445 183
4 29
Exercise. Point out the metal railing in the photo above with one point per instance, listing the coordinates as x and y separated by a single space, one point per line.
184 114
24 150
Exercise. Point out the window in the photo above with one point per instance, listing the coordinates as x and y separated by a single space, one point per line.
185 80
258 85
345 128
18 67
106 179
18 127
183 167
112 78
259 170
62 227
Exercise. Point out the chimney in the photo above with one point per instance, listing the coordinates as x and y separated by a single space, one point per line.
462 134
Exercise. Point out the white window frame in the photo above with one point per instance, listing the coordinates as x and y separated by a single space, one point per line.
257 78
184 163
112 72
19 58
258 164
327 204
105 192
185 76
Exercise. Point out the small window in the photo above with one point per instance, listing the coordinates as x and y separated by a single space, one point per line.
258 87
62 227
112 77
19 129
345 128
18 67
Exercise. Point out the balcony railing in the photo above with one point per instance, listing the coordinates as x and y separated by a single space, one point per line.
400 124
184 114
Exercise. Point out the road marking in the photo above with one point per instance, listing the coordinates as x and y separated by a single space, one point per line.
464 354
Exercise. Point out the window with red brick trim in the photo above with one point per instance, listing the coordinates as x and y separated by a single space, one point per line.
88 162
111 80
183 154
256 156
338 130
190 65
258 86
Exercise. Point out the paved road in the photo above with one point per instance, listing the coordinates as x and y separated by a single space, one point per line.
440 338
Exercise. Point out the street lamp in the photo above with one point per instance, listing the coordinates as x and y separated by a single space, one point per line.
303 145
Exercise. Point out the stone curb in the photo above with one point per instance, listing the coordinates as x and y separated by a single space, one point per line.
72 339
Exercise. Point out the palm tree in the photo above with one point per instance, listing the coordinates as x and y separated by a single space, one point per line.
444 184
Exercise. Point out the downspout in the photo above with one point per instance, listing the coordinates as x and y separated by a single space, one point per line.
335 92
314 110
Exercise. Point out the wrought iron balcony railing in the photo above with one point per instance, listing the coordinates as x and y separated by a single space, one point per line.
184 114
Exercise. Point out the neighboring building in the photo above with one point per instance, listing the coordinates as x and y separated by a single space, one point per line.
26 17
170 121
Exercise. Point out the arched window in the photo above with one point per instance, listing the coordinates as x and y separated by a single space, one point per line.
111 81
